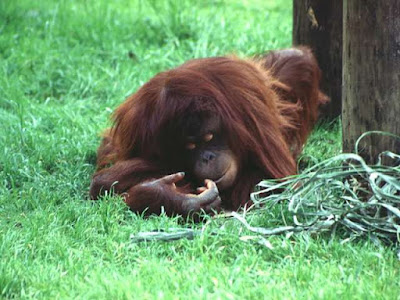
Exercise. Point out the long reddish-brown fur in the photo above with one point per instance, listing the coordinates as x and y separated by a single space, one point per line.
268 106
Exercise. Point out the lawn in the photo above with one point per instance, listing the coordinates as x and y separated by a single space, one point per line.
64 67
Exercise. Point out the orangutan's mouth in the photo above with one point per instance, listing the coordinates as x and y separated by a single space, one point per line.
222 176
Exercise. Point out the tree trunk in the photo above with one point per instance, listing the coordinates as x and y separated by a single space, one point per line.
318 24
371 75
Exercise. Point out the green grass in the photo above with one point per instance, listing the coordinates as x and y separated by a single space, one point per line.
64 66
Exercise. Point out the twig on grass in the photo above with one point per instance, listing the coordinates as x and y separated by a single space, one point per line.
173 235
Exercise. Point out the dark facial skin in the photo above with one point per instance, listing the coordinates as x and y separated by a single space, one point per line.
206 152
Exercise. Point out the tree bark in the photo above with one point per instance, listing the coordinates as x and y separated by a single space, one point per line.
318 24
371 75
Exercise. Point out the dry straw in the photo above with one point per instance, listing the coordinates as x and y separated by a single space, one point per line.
342 193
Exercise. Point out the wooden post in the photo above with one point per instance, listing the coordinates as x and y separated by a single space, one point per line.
371 75
318 24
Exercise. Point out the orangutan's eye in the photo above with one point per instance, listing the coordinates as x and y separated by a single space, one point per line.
190 146
208 137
